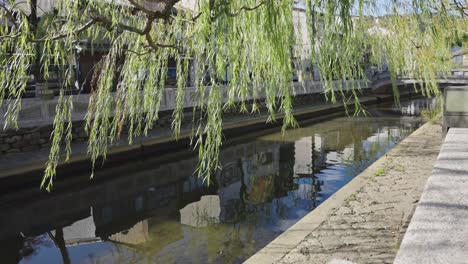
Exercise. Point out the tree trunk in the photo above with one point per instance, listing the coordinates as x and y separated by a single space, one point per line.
60 242
33 25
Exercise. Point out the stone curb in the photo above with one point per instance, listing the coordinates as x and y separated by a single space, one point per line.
438 230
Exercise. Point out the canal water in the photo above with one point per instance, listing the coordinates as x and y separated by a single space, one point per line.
163 213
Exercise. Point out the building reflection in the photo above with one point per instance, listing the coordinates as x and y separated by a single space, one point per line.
415 107
203 213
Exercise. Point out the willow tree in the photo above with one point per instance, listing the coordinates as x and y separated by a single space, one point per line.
254 38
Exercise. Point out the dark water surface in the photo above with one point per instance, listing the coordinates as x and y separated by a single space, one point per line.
162 213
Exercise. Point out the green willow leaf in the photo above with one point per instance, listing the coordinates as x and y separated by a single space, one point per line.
252 43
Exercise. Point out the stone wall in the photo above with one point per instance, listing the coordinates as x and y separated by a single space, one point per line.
38 137
24 140
38 113
36 117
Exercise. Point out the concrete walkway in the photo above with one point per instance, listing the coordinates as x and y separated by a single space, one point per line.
364 221
438 232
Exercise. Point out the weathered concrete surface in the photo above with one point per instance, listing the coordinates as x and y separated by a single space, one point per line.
365 220
438 232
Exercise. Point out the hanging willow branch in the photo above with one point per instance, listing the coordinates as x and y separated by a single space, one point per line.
255 39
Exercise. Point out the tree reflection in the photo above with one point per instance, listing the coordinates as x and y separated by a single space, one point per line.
60 244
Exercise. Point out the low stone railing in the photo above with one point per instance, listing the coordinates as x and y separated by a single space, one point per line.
457 76
438 231
37 112
37 116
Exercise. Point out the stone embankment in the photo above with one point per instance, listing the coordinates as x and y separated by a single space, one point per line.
26 150
35 122
365 221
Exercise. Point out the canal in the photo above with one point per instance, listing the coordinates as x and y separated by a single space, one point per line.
153 212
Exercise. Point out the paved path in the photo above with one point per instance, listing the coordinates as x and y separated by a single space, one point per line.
438 232
365 221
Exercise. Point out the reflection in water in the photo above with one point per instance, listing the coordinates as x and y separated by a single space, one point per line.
202 213
165 214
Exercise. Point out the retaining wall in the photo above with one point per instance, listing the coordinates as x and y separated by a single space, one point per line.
37 116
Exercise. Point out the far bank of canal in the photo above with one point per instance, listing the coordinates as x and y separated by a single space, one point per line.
161 213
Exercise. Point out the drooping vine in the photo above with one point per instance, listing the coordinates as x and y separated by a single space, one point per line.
251 42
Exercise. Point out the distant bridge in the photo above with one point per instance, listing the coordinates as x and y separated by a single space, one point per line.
456 77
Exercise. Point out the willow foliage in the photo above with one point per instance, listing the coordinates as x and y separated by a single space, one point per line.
254 39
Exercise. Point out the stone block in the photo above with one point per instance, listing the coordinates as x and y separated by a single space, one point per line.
21 144
27 137
34 141
4 147
13 150
46 145
30 148
36 134
46 134
13 139
45 128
